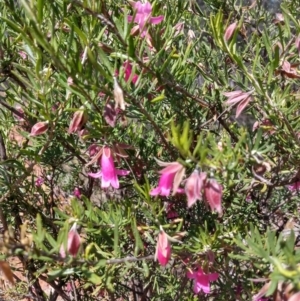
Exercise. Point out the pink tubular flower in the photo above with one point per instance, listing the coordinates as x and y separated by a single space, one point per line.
163 248
73 241
143 16
193 187
171 177
213 195
39 128
108 172
201 280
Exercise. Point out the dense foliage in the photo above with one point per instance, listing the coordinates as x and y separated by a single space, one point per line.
149 150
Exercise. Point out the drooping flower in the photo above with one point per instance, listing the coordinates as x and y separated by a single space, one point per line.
143 16
163 248
74 242
240 97
213 195
193 187
108 173
201 280
170 178
39 128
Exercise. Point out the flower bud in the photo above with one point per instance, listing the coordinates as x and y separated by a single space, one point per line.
39 128
78 121
229 31
163 248
73 241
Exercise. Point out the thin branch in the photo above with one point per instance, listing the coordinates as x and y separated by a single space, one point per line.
56 287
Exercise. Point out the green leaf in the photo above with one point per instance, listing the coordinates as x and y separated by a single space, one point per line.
94 278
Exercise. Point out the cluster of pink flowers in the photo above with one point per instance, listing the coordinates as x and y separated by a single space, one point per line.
200 279
197 185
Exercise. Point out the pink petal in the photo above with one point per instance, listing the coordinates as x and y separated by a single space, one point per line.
106 183
213 276
145 8
108 166
114 182
164 185
241 106
234 100
171 168
201 283
156 191
156 20
122 172
95 175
